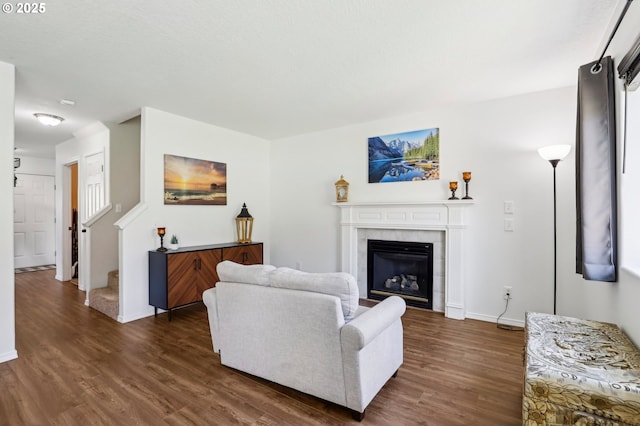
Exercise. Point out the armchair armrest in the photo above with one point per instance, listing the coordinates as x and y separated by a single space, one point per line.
357 334
209 299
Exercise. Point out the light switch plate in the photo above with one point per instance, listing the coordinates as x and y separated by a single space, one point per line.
508 207
508 225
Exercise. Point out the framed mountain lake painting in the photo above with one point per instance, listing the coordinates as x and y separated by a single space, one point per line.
189 181
408 156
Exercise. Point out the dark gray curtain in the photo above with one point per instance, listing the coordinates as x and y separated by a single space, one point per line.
596 245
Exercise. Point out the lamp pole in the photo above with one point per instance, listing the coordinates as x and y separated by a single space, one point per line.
554 154
554 163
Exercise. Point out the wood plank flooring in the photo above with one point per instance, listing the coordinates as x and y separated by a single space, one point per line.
76 366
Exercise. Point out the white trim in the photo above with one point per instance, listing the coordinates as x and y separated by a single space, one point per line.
8 356
405 203
138 315
493 319
444 215
96 217
131 215
632 270
63 247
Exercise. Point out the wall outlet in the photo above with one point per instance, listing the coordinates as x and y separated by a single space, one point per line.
507 292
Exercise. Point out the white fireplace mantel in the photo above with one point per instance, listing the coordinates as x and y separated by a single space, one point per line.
447 216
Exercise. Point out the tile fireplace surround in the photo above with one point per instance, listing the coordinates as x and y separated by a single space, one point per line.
409 221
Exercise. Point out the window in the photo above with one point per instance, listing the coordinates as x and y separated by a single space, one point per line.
630 182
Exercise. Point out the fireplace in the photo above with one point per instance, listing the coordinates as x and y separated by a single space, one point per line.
443 223
400 268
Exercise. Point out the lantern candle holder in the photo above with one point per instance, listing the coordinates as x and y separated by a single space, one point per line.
244 225
161 232
453 186
342 190
466 176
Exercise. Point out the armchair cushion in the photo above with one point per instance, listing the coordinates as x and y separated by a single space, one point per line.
246 274
338 284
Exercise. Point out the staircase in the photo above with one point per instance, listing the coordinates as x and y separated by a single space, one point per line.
107 299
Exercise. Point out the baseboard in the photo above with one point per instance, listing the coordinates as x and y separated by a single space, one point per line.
454 312
8 356
490 318
136 316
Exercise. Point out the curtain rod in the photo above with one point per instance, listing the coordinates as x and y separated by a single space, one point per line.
596 68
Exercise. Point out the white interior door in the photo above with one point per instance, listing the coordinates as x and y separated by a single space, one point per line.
34 220
93 185
92 178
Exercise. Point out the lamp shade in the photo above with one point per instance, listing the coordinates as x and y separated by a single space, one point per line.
554 152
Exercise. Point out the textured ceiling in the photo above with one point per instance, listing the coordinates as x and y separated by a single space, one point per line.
276 68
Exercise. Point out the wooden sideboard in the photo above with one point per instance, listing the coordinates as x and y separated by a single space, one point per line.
178 277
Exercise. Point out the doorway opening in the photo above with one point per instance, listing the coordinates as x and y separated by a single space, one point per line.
73 191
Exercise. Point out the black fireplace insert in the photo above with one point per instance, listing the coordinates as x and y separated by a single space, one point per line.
402 269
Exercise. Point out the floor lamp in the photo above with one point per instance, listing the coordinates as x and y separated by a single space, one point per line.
554 154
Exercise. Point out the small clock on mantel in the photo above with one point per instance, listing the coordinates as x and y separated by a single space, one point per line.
342 190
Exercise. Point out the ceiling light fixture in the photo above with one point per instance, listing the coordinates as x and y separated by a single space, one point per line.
48 119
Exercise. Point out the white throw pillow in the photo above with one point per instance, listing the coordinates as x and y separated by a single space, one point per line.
229 271
339 284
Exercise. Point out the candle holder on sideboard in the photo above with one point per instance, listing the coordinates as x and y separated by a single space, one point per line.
161 232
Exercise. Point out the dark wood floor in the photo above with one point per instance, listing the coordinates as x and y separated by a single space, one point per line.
78 367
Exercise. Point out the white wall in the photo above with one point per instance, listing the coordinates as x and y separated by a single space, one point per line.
7 279
498 142
36 165
248 178
124 177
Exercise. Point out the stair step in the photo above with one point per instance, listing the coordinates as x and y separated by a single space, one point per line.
114 279
107 299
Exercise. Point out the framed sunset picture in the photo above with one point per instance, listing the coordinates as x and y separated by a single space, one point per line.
189 181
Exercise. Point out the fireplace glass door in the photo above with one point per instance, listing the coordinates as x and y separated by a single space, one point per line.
402 269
